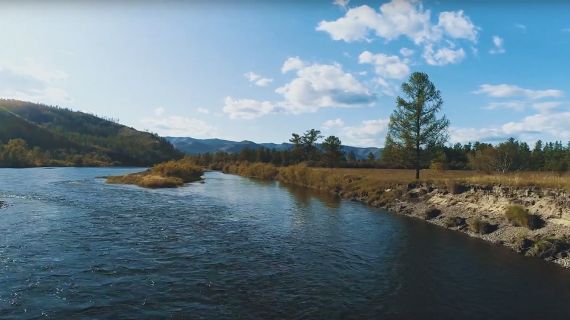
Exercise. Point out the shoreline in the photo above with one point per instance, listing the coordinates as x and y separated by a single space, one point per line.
473 209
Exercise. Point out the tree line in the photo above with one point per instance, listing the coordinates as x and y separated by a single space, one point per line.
416 139
309 147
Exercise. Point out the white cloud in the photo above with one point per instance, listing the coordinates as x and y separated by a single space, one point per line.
396 18
513 105
391 67
443 56
321 86
33 82
387 88
457 25
370 133
178 126
333 123
520 26
509 90
341 3
247 108
406 52
293 63
315 86
257 79
498 48
406 18
523 105
202 110
530 128
546 106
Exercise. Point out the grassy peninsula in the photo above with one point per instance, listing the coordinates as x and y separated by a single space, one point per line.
170 174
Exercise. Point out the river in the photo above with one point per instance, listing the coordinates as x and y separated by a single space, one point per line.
72 246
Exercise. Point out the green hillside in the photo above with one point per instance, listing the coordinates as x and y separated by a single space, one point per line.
57 136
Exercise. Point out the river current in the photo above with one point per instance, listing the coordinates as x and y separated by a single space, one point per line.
72 246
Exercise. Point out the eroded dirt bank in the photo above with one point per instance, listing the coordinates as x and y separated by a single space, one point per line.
479 211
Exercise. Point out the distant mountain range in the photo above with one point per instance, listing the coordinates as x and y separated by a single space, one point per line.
195 146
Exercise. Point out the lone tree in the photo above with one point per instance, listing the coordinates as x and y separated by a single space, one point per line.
414 127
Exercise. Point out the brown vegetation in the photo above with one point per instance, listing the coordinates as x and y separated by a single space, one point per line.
520 217
168 174
370 181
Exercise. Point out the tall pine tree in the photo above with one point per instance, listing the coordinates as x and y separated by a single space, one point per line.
414 127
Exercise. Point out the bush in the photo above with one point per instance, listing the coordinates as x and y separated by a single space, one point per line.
454 187
522 244
431 213
519 217
548 248
477 225
437 165
454 222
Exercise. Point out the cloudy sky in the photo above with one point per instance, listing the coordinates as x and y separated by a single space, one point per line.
259 70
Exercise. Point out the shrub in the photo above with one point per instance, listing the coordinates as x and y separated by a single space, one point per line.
548 248
454 222
454 187
389 196
520 217
437 165
431 213
477 225
522 244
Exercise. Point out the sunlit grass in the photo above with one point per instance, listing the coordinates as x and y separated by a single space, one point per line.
168 174
370 180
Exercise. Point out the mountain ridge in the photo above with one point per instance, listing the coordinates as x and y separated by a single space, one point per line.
193 146
59 136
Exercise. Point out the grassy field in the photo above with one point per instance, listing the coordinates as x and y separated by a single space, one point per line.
341 179
518 179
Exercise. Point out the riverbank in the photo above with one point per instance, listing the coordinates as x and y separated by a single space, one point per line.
480 206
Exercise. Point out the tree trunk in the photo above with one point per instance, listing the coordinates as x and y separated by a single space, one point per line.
418 164
418 159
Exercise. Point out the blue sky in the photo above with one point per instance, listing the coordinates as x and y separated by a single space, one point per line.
261 70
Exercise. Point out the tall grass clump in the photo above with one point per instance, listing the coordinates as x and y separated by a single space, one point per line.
183 169
265 171
520 217
478 225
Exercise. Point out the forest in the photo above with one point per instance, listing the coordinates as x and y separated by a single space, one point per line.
509 156
40 135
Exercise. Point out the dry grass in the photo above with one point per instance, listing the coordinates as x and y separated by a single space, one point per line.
379 186
146 180
168 174
520 217
447 177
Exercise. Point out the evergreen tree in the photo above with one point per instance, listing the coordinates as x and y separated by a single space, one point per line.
332 151
414 126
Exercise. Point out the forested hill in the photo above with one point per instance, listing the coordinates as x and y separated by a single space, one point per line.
197 146
40 135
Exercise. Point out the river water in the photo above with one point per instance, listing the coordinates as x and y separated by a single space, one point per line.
72 246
